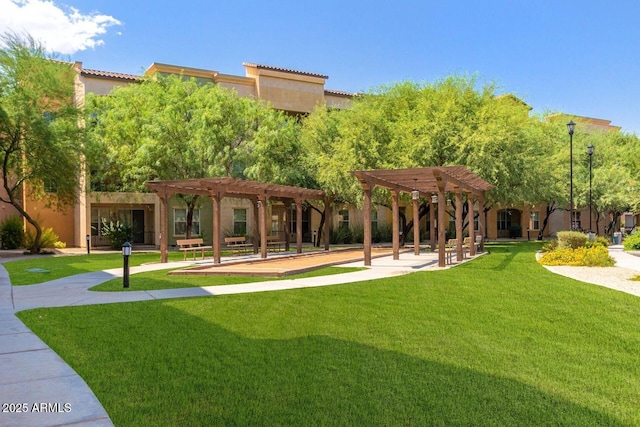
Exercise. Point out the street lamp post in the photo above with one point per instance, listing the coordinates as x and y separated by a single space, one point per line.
570 128
590 151
126 252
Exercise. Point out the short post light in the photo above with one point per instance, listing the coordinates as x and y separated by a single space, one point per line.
570 128
126 252
88 237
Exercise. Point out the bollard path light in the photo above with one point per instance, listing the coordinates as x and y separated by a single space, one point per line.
126 252
88 237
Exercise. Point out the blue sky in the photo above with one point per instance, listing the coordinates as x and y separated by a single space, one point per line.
578 57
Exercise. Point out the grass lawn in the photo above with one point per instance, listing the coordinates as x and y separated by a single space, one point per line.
155 280
21 272
498 341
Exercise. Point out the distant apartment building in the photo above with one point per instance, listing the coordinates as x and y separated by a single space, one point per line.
295 92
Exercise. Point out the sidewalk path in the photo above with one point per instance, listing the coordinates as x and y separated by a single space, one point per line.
33 374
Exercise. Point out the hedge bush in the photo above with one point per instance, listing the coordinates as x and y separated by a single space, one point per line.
571 239
12 233
594 256
632 242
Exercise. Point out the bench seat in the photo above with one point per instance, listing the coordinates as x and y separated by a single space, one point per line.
192 245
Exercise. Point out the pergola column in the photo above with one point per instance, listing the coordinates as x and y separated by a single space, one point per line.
216 235
459 236
164 242
299 226
432 224
262 213
481 219
287 221
415 196
472 231
395 226
367 224
256 225
441 227
327 221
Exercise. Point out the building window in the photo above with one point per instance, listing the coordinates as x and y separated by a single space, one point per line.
180 222
476 221
534 224
504 220
576 221
374 219
239 222
343 219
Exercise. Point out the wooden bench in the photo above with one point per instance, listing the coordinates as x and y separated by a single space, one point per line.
450 248
273 242
467 243
192 245
237 244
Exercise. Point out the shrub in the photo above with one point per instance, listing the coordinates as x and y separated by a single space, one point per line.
357 234
12 233
117 233
381 233
600 241
595 256
48 239
340 235
632 242
549 246
571 239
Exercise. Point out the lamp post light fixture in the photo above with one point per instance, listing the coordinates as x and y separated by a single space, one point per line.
88 237
434 198
126 252
590 149
570 128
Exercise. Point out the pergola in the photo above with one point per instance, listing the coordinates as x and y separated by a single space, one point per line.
258 192
424 182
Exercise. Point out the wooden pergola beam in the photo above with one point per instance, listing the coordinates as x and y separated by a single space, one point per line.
258 192
426 181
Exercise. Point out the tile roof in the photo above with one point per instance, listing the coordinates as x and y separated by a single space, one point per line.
284 70
110 75
338 93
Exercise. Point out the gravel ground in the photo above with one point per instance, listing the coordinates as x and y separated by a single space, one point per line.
618 277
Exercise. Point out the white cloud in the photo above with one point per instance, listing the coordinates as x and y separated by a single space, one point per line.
61 29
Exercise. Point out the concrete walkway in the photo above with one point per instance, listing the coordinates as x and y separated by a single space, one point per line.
48 392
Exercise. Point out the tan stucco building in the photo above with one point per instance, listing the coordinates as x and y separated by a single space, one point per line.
297 93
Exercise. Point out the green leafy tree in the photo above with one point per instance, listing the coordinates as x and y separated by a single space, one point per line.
171 127
450 122
39 132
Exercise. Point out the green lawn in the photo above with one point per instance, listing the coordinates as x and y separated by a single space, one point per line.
155 280
28 271
495 342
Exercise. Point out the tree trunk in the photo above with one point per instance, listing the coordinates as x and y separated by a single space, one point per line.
551 208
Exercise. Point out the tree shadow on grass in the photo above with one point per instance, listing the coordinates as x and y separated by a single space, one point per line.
191 371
